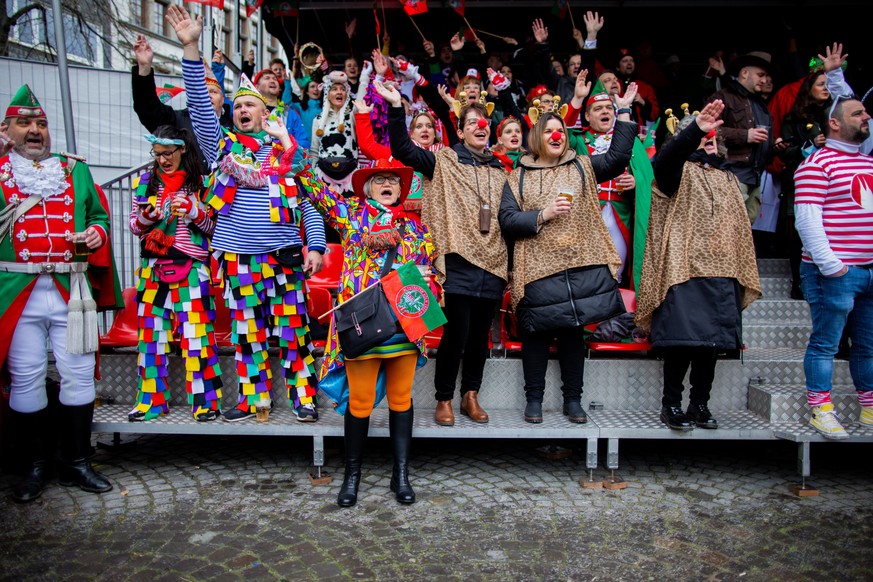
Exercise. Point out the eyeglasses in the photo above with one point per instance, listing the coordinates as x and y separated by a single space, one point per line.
390 179
166 155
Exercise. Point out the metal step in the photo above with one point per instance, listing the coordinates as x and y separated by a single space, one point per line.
775 287
777 311
646 424
776 335
773 268
787 404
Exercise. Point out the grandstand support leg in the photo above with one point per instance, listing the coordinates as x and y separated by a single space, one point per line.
613 483
318 477
803 467
117 444
591 464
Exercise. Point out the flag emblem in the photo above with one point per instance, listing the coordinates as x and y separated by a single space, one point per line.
411 301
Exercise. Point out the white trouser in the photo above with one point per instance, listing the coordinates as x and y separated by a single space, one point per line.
617 237
45 317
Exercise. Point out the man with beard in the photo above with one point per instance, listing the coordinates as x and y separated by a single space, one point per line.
52 217
257 239
833 206
747 125
624 201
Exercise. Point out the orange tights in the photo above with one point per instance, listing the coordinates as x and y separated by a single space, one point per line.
362 374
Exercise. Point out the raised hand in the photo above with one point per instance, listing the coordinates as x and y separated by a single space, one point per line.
428 48
380 63
388 92
708 118
593 24
218 57
406 69
540 32
481 45
350 27
144 54
362 107
6 144
510 41
716 64
457 42
444 93
276 128
628 98
577 36
187 29
833 58
499 81
582 89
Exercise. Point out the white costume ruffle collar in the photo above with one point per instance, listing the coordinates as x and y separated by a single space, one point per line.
45 178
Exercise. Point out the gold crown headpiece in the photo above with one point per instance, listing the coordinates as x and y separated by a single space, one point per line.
457 105
538 110
673 121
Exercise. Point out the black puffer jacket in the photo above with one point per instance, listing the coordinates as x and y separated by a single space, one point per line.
578 296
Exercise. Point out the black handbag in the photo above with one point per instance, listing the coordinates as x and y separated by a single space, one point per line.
366 320
289 256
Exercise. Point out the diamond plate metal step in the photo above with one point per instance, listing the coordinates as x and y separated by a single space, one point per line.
776 335
775 287
774 268
786 403
777 311
502 424
803 433
646 424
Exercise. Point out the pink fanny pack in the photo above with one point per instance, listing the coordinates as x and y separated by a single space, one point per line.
173 270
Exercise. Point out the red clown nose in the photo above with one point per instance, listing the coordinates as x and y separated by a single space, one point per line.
482 124
557 135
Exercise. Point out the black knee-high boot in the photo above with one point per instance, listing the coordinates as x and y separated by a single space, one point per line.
354 435
400 428
33 434
75 470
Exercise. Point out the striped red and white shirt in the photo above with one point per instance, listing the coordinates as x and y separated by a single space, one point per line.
834 207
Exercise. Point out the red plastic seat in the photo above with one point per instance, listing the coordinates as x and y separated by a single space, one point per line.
508 333
329 276
125 326
318 303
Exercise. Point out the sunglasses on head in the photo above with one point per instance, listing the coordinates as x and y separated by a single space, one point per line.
838 99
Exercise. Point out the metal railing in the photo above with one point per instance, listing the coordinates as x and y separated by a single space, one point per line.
125 246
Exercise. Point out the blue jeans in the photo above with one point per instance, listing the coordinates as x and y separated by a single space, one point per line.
832 300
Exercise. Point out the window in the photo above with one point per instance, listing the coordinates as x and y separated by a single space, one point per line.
159 23
137 14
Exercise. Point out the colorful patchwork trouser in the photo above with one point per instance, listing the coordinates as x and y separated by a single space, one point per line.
266 299
185 308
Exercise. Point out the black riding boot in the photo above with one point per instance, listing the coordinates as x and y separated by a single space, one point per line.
33 435
354 436
400 429
75 448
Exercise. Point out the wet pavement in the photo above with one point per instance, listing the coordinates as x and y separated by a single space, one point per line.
198 508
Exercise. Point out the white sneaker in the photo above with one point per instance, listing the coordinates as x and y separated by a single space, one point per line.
824 420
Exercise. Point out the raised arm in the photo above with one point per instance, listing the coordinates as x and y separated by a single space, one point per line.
402 148
148 108
203 118
617 157
668 164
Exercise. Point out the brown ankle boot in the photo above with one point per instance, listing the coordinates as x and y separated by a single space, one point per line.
443 414
470 407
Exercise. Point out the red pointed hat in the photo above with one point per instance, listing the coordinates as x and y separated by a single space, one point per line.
383 166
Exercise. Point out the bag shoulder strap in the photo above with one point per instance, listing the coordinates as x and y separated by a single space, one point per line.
581 171
389 262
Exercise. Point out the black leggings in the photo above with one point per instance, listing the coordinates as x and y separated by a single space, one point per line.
676 362
465 332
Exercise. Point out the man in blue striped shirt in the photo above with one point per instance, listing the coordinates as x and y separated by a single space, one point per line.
257 238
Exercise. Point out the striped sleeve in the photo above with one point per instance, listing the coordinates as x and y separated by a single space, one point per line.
810 182
203 118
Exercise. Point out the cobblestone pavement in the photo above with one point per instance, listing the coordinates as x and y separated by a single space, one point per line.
196 508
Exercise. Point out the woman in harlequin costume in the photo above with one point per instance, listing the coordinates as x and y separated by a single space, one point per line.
174 226
371 224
